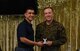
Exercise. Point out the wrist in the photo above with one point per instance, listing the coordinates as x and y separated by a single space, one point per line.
35 43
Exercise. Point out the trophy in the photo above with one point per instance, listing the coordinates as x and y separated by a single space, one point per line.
44 39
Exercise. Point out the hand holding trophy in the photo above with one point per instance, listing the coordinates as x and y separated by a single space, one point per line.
44 39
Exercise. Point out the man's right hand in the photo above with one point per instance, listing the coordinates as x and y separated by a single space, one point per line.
40 43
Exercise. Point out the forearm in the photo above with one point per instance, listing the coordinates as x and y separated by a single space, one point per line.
27 41
59 41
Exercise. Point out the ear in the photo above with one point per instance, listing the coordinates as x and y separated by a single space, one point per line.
24 15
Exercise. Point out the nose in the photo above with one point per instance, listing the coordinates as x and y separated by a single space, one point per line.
32 14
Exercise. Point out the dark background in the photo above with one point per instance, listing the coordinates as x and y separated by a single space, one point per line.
8 7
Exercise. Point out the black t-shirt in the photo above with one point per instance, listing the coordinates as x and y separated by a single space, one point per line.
25 30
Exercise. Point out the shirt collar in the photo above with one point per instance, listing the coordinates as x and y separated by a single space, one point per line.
27 22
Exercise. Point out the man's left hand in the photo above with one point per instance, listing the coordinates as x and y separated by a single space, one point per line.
49 43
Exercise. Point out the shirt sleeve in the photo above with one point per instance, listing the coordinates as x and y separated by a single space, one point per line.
38 34
61 36
21 31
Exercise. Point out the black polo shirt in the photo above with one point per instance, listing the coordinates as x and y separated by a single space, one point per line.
25 30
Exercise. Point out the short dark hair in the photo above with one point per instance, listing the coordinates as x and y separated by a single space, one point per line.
28 8
48 7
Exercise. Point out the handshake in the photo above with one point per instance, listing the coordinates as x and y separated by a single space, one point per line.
44 42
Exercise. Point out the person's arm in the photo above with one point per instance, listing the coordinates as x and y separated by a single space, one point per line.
38 33
61 37
21 31
30 42
27 41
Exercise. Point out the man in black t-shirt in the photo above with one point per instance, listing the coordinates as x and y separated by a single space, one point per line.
25 33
